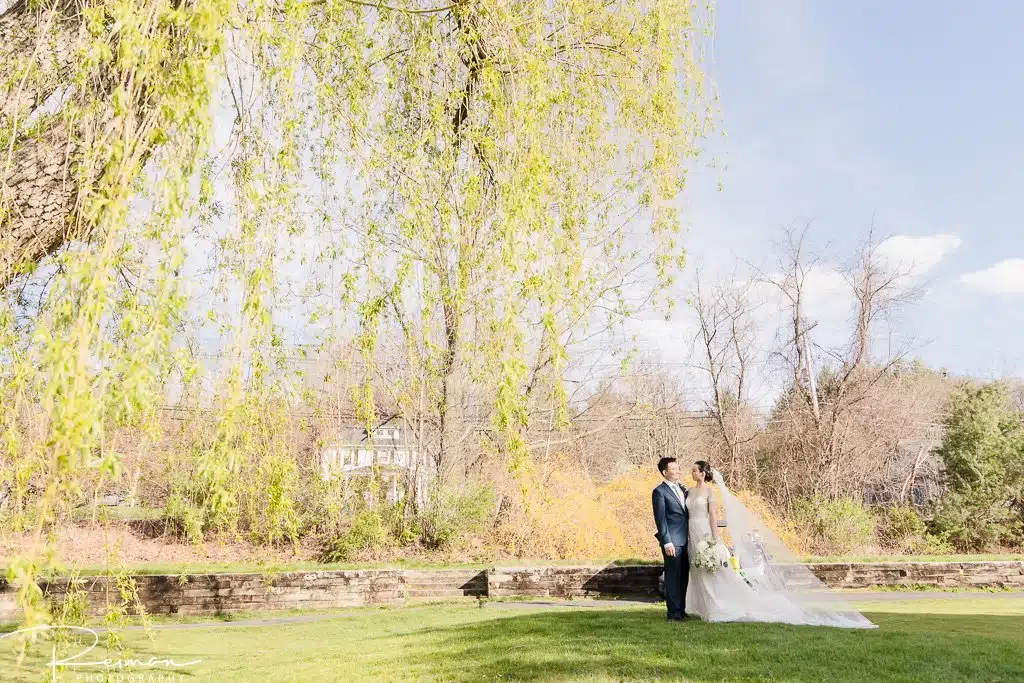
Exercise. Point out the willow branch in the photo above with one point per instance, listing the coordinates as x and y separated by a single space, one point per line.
378 5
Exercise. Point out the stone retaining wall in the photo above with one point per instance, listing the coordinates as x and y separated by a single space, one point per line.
640 581
218 593
634 581
919 574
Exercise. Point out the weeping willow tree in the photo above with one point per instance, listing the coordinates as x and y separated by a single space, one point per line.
511 158
500 162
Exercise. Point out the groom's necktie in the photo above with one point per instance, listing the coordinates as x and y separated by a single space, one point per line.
679 493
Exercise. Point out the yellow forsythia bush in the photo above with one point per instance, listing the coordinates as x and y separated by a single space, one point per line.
569 517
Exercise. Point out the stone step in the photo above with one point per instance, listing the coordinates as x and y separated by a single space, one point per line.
445 574
443 593
447 583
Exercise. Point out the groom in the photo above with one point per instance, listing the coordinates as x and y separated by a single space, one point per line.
672 519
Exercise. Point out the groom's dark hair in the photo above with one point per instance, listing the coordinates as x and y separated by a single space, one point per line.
664 463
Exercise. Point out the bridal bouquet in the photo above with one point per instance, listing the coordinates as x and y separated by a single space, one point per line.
711 555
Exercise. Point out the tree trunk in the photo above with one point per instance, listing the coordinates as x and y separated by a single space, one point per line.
38 191
40 194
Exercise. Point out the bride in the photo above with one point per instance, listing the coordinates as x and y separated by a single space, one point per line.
773 586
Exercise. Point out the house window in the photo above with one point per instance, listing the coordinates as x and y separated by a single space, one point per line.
348 458
384 457
400 457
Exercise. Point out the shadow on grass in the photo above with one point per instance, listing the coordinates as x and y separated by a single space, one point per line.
639 644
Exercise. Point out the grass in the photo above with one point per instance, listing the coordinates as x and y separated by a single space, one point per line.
161 621
967 639
1013 607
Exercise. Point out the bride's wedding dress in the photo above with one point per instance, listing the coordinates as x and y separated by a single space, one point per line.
787 594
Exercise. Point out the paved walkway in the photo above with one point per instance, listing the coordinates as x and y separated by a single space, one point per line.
583 603
579 603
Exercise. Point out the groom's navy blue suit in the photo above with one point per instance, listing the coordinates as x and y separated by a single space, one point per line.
672 518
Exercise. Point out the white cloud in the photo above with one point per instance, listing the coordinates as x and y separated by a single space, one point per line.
825 289
1005 277
918 254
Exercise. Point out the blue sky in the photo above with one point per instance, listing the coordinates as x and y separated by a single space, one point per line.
906 111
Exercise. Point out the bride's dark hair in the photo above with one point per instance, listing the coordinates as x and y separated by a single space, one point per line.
705 468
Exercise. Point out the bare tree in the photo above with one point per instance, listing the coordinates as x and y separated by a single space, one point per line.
795 265
821 405
727 337
880 291
632 420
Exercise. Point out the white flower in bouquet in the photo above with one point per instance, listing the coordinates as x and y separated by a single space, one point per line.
711 555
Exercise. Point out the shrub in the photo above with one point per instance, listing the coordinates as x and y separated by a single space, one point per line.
619 509
834 527
982 453
936 545
568 516
183 518
451 516
405 529
900 529
271 506
974 522
366 533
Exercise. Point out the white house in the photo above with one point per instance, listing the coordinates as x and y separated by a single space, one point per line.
389 453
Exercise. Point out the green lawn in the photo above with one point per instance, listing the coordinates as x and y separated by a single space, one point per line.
966 639
1010 607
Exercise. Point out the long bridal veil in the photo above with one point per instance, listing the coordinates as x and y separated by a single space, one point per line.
771 568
